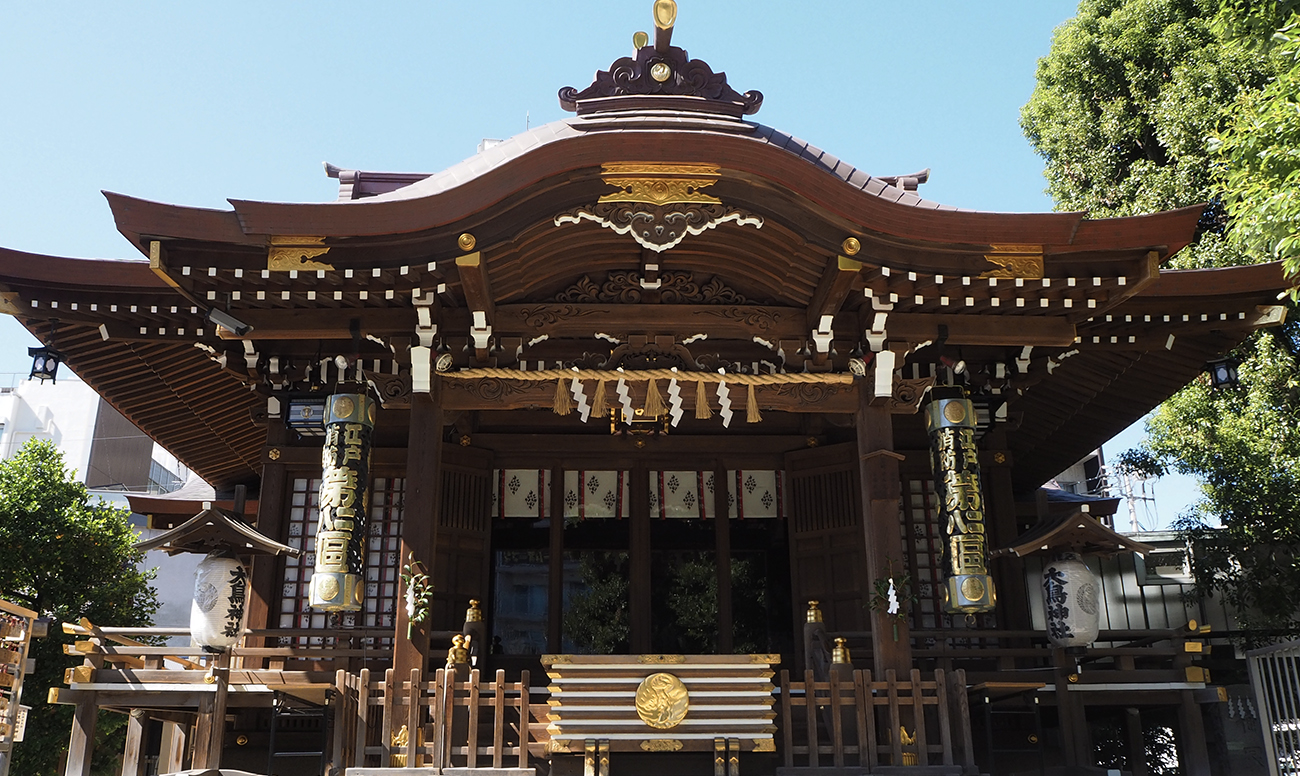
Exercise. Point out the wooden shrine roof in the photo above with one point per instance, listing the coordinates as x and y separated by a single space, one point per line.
526 255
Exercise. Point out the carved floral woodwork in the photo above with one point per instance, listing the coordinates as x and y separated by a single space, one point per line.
624 287
658 227
644 75
1015 261
660 184
293 252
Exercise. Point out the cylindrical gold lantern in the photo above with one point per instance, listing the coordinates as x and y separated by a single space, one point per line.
951 425
337 584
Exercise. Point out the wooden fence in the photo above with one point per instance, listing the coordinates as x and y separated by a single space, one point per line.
457 720
851 720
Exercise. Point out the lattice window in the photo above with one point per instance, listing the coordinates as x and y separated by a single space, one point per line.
922 550
382 559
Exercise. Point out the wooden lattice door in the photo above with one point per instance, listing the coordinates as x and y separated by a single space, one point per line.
827 544
461 559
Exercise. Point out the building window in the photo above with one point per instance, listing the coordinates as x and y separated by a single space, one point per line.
383 561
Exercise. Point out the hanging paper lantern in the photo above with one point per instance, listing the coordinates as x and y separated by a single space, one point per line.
1070 601
220 592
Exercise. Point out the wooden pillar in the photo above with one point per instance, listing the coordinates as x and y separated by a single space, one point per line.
1193 755
722 551
421 505
82 742
1008 571
271 498
202 742
881 491
639 561
171 752
1070 713
132 759
1137 748
555 578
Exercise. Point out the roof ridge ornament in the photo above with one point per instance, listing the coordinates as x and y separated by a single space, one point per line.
660 76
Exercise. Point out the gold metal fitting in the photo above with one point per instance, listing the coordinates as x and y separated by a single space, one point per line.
1073 678
840 654
473 613
665 13
640 40
466 242
241 741
660 71
273 453
814 614
465 440
851 246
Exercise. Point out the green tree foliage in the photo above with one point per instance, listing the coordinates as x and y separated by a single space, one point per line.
596 614
65 557
1146 105
1244 447
1260 152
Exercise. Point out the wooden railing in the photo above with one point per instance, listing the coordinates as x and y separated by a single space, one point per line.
852 720
456 720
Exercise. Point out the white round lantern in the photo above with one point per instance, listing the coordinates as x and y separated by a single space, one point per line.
1070 601
220 592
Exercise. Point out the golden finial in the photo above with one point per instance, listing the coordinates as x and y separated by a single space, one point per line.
473 613
841 652
814 614
665 13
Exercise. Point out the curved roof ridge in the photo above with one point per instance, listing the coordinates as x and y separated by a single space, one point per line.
515 147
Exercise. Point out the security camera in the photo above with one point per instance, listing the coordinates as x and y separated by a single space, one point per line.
229 322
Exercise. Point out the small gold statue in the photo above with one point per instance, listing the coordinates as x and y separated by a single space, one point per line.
909 758
459 652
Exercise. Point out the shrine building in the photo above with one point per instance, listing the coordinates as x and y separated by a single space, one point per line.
725 455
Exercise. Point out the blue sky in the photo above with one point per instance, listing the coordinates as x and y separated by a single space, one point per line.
191 103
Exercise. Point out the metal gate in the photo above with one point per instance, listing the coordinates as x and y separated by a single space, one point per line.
1275 675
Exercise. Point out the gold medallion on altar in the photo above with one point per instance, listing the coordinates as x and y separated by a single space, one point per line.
662 701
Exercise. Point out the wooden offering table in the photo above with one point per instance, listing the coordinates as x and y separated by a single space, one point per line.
661 703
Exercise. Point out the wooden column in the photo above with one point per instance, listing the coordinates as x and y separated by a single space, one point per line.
171 752
271 500
639 560
1070 713
420 509
555 579
1193 754
1137 749
722 551
1000 513
82 742
881 490
132 759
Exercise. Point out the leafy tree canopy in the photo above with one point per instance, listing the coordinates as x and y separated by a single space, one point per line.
1146 105
1260 151
65 557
